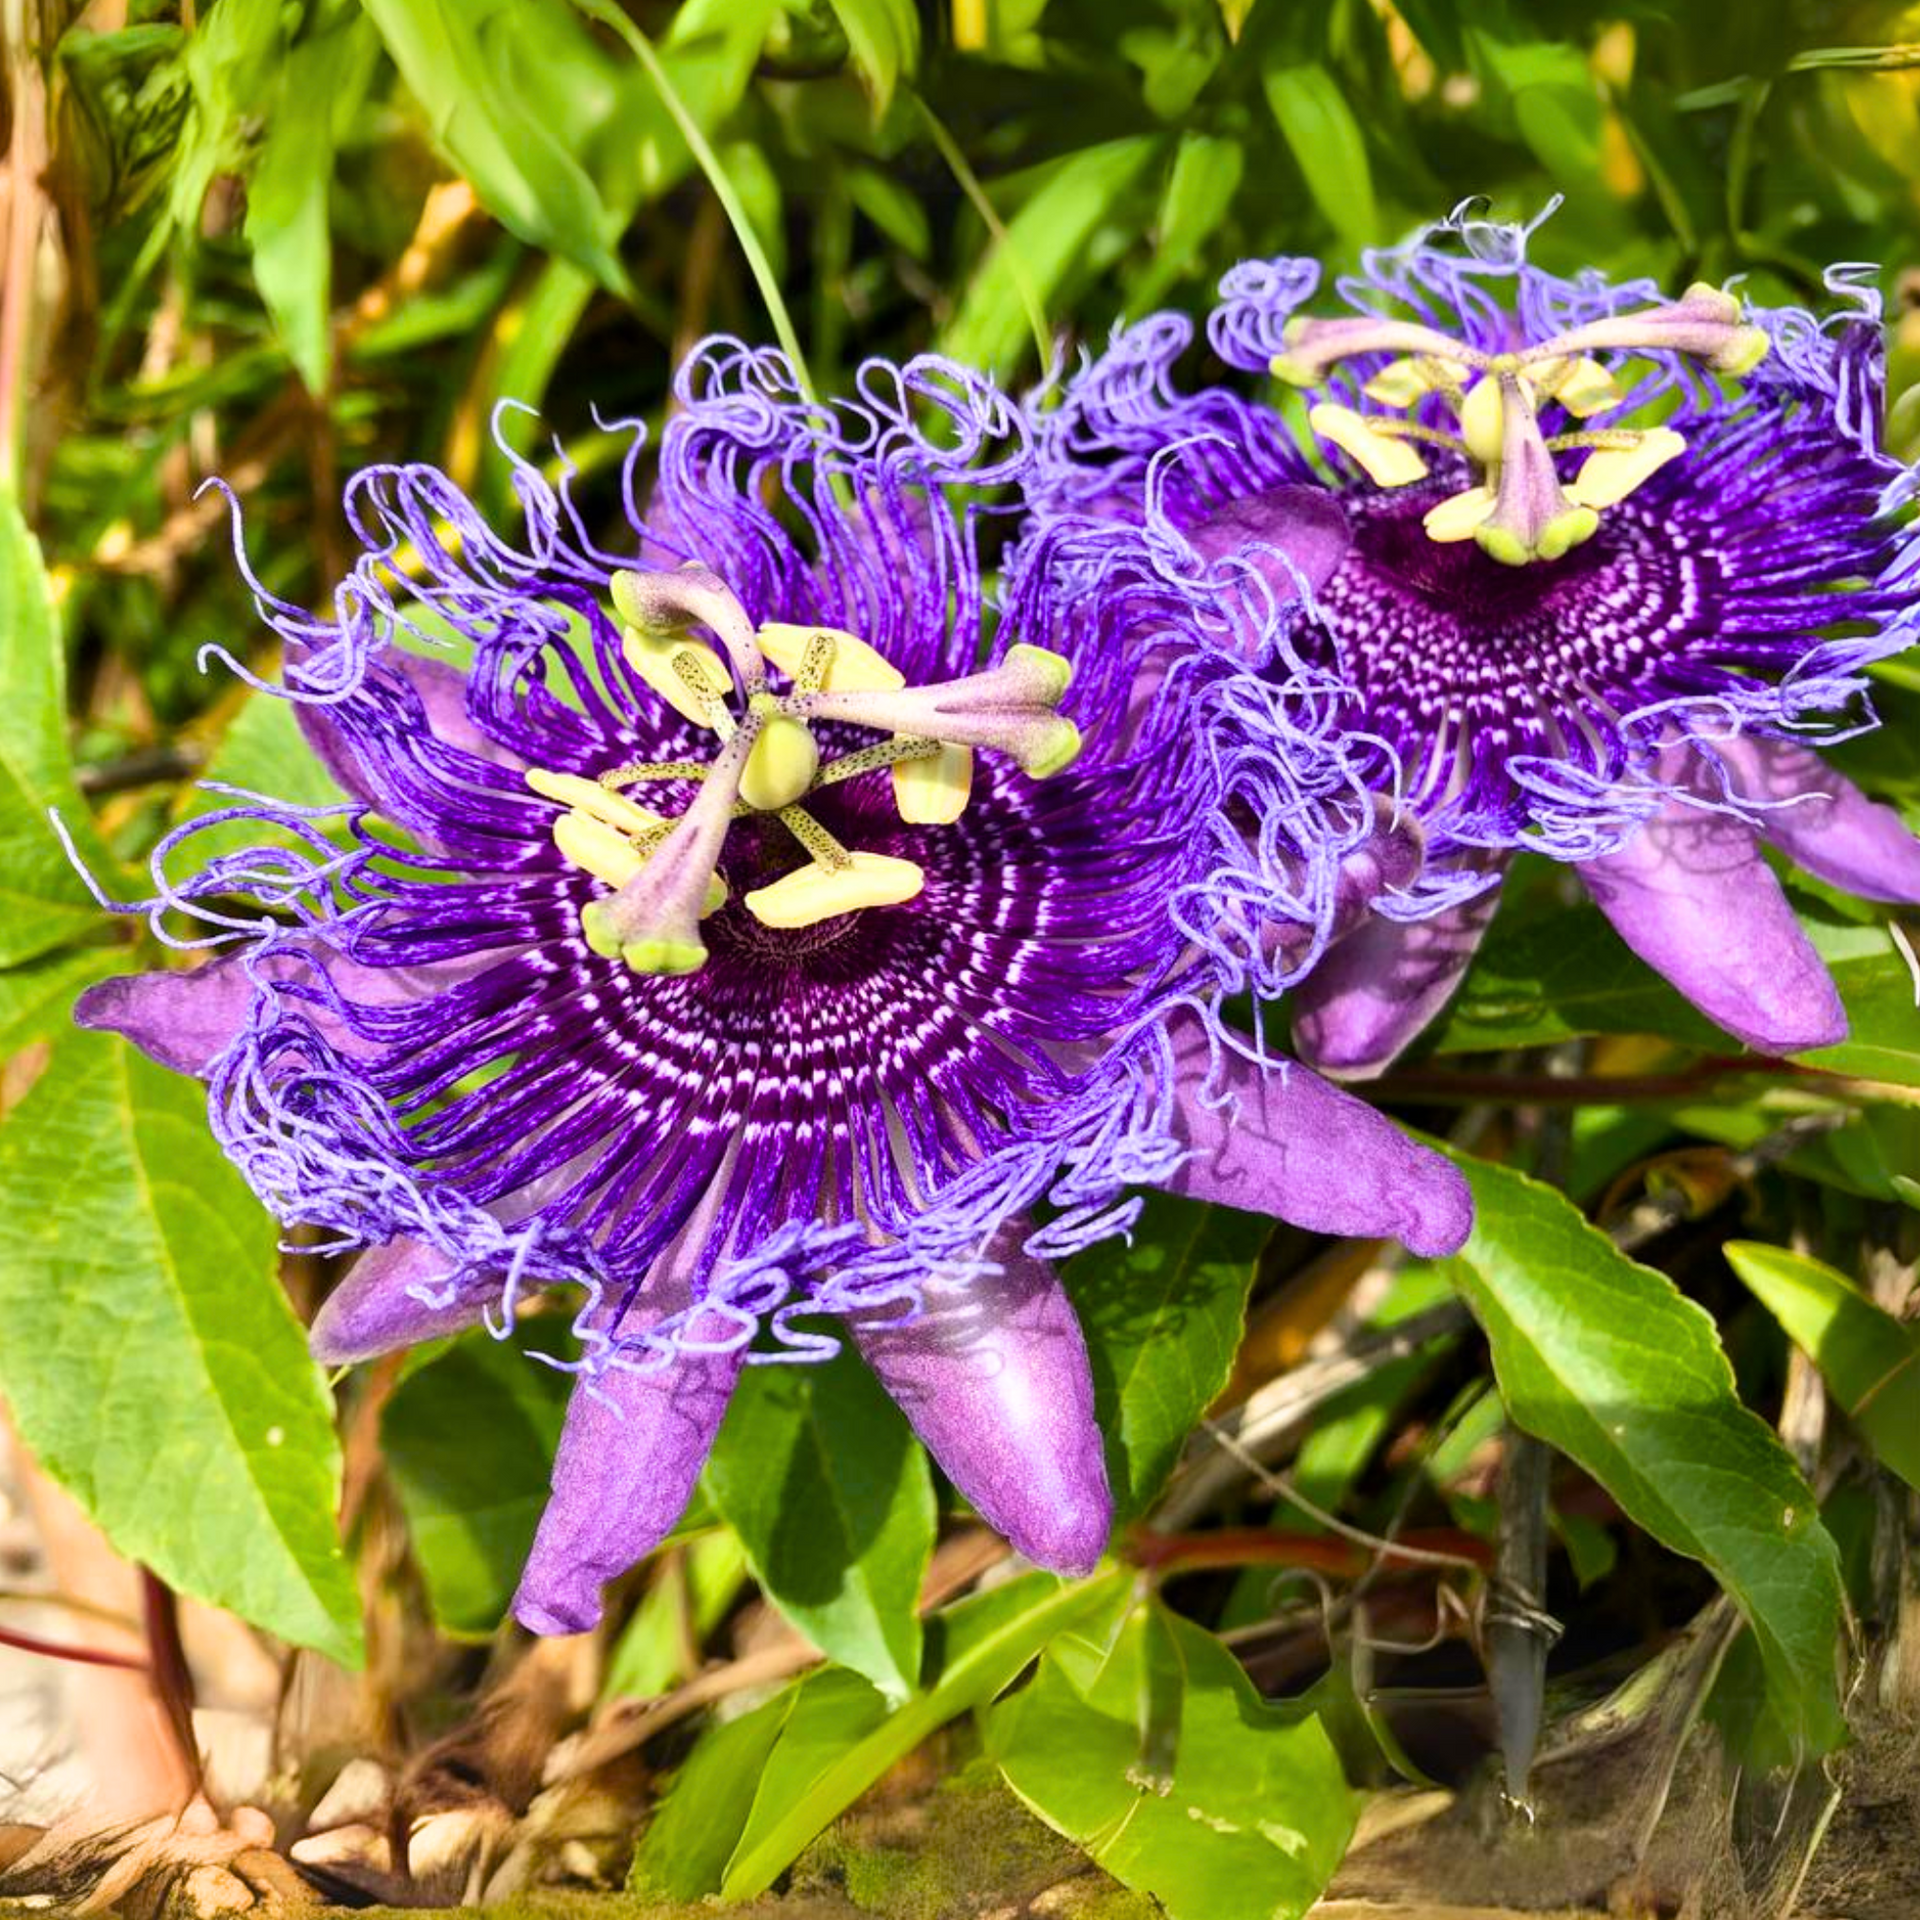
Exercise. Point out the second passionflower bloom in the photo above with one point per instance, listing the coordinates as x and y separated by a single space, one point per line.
1587 570
757 937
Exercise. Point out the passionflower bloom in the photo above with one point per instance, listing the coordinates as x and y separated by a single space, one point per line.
752 937
1587 570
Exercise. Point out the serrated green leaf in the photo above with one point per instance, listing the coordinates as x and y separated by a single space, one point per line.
149 1355
975 1650
1229 1810
1048 237
1876 985
1163 1317
465 64
884 36
1869 1360
1607 1361
1327 145
43 901
469 1440
819 1474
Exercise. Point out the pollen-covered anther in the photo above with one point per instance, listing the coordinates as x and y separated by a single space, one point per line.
663 604
814 893
1386 461
849 664
933 790
1609 474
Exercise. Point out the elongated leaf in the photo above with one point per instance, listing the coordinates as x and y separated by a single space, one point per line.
1327 145
461 61
36 1000
320 85
42 899
1044 241
885 38
676 1616
818 1473
1606 1360
1201 184
975 1650
149 1355
1869 1359
1883 1004
1155 1754
470 1440
1162 1318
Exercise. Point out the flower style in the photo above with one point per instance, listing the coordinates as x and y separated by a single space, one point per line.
740 939
1587 570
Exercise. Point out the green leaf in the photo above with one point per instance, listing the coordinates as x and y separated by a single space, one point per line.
149 1355
262 751
320 85
1550 971
1327 145
43 902
975 1650
1883 1004
36 1000
651 1653
1556 105
1156 1755
818 1473
470 1439
1049 237
1866 1356
1606 1360
884 36
1163 1318
465 62
892 208
1201 184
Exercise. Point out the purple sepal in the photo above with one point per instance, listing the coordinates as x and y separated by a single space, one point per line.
183 1020
1379 986
376 1309
632 1448
1281 1141
1821 821
996 1381
442 688
1293 537
1690 894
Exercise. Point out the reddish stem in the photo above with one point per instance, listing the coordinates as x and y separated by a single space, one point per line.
1267 1546
84 1656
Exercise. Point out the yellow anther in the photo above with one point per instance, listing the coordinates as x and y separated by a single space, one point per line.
1483 418
816 893
1458 517
1582 386
855 667
1609 474
781 765
687 674
1387 462
596 848
590 797
1403 382
933 792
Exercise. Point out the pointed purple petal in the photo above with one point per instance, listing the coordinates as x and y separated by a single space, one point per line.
1837 833
1305 528
1378 987
996 1382
633 1446
443 692
1304 1151
374 1310
1690 894
182 1020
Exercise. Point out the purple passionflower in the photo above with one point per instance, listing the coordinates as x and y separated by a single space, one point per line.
754 931
1585 570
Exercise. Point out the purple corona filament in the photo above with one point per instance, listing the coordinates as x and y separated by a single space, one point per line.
748 941
1589 571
